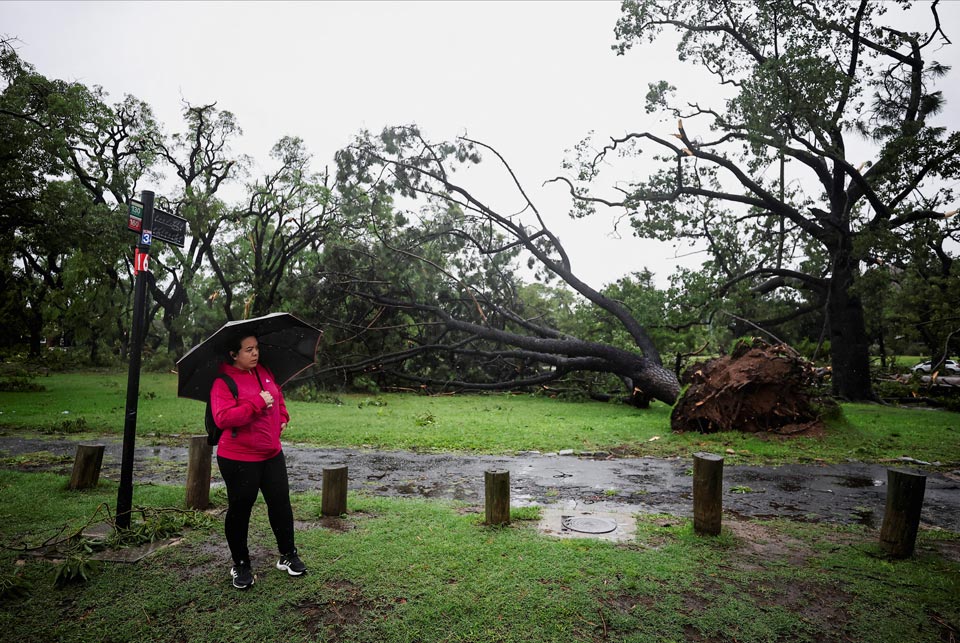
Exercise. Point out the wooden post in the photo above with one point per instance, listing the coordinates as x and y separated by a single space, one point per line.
198 473
497 495
86 466
333 500
707 493
905 489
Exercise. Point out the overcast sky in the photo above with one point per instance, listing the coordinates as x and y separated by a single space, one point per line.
529 78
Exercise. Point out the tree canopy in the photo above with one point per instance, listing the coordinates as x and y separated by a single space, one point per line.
824 154
818 183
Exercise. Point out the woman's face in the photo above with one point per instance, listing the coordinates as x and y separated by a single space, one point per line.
249 354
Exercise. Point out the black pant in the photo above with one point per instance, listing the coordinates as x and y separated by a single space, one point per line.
244 480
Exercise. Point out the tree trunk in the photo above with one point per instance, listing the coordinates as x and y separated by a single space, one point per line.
654 382
35 326
849 346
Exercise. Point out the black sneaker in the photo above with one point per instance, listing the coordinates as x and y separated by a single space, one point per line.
291 564
242 575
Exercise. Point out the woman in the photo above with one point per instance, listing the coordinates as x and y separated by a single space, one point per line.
250 457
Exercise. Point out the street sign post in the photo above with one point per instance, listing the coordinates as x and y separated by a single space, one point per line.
142 256
149 223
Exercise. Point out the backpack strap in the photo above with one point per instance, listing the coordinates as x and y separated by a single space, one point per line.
232 385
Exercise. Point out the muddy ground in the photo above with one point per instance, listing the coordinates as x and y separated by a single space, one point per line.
842 493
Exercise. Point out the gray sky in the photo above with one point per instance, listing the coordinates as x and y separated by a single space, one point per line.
529 78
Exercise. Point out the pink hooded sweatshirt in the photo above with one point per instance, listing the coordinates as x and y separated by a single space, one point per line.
258 428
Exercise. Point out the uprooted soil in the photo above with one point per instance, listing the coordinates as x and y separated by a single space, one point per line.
757 387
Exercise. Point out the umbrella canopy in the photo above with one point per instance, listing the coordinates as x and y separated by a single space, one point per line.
288 346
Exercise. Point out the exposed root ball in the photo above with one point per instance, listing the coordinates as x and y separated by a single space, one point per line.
756 388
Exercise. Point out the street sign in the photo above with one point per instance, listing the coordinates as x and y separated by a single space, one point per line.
135 218
141 261
166 227
169 227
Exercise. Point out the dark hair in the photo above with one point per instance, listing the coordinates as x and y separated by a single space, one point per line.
236 343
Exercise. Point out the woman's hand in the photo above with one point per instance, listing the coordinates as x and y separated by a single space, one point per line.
267 398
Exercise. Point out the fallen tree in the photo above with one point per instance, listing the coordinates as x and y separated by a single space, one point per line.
464 320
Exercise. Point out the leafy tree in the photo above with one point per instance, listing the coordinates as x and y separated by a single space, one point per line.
90 247
106 148
65 154
805 82
202 161
912 294
55 270
289 212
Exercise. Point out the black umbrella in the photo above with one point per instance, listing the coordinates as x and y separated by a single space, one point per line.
288 346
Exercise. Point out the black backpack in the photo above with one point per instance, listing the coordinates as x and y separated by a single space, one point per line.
214 431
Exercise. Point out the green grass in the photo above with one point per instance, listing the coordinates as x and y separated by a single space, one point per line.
94 403
418 570
413 570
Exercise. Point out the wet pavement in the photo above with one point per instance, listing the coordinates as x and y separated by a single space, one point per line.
841 493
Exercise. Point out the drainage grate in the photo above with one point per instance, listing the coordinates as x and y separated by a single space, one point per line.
588 524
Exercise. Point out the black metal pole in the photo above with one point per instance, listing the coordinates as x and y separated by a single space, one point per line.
125 492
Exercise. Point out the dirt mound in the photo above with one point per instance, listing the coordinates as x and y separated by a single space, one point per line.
758 387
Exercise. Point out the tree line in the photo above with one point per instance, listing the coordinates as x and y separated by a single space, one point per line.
418 280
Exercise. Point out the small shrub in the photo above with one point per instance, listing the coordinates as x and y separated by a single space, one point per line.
60 360
73 425
312 394
425 419
21 385
159 363
365 384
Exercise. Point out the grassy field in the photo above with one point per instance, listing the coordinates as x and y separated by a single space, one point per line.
404 570
400 570
94 403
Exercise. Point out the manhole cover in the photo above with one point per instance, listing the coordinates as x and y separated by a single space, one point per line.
588 524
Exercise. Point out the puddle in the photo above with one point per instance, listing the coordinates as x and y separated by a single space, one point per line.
789 486
858 482
841 493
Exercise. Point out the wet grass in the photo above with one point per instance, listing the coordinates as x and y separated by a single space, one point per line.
81 404
413 570
417 570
